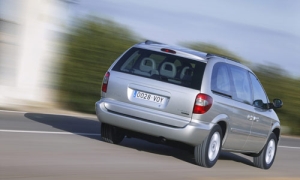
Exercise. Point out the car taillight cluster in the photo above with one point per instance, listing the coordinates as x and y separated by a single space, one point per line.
105 82
203 103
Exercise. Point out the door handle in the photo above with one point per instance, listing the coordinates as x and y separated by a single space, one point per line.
253 118
250 117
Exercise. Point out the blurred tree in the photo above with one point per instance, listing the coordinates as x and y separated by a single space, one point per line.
91 48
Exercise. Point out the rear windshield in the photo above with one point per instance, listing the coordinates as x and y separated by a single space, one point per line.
163 67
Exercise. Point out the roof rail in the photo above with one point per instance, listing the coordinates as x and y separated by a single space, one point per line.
209 55
152 42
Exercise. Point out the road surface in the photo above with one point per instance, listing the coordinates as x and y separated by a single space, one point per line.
35 146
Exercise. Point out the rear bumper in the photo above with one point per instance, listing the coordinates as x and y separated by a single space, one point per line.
193 133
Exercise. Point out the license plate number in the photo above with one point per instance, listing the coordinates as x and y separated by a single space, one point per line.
149 97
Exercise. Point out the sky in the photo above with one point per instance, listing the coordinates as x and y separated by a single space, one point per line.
266 32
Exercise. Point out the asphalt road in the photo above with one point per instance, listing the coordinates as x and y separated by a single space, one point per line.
38 146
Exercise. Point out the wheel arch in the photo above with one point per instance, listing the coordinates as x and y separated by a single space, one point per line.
222 121
223 126
276 131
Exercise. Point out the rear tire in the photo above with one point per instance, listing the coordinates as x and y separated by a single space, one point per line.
111 134
207 153
266 157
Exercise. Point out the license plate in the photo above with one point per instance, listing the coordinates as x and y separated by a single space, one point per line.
149 97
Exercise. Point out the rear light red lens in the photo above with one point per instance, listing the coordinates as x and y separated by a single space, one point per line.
168 50
105 82
203 103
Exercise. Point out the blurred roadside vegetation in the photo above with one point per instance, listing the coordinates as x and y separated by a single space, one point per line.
90 48
94 44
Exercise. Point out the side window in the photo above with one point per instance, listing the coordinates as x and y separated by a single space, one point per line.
258 91
241 84
220 82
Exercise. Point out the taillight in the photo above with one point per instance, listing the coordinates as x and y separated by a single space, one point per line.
105 82
203 103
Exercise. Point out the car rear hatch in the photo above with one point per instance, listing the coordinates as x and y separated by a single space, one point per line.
153 86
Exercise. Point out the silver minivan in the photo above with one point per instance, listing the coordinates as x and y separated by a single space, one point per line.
167 93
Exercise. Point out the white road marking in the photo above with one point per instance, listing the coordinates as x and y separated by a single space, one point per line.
70 115
9 111
49 132
289 147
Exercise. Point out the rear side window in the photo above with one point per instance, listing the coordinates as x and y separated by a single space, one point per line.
163 67
220 82
241 84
